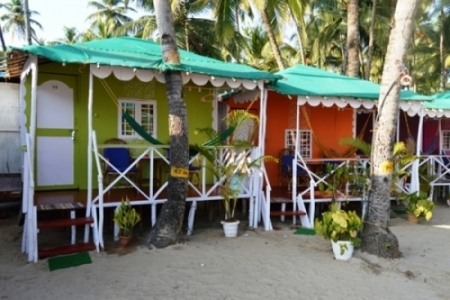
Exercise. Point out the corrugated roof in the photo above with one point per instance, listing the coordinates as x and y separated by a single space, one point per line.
135 53
301 80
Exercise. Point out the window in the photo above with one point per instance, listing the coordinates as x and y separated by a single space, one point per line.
446 139
143 111
304 143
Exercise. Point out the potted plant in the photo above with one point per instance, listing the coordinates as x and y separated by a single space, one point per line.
234 167
342 228
418 206
126 217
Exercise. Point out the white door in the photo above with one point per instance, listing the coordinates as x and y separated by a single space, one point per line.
55 134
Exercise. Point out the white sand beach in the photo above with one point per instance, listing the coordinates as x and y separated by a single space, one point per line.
255 265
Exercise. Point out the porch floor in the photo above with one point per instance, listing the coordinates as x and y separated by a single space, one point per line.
114 195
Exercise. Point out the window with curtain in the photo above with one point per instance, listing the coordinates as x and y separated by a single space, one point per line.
143 111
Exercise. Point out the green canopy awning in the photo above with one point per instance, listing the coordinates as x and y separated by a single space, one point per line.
136 53
440 101
301 80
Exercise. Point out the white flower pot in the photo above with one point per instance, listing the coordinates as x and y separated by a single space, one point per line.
448 202
343 252
230 228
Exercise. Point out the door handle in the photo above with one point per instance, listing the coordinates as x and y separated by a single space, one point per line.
73 135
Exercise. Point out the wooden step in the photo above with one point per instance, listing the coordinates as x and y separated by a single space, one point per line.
280 200
287 213
61 206
67 249
64 222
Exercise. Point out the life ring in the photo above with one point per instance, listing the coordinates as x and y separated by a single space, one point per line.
405 80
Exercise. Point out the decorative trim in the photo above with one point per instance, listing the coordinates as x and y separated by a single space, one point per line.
126 74
412 108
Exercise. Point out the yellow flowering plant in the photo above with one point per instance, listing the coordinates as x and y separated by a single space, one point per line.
339 225
418 204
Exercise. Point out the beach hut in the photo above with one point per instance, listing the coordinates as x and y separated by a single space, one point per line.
435 165
75 98
320 108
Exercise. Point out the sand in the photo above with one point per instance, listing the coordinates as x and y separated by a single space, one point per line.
255 265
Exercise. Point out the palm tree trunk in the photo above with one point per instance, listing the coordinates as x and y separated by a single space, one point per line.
441 52
272 39
2 40
353 38
170 220
377 238
26 11
371 38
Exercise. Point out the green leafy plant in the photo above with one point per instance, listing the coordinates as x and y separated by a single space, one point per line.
339 225
402 156
126 218
418 204
343 180
237 163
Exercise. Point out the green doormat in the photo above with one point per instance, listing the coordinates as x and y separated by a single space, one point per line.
67 261
400 211
305 231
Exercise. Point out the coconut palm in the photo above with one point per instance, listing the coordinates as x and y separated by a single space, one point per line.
194 32
353 41
326 32
103 29
113 12
170 220
71 35
14 19
2 39
377 238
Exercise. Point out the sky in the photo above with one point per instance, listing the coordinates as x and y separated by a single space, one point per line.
54 14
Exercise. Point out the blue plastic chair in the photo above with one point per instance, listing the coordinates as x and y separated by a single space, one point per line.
286 171
120 158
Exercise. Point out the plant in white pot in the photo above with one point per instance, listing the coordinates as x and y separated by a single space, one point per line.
231 164
342 228
126 217
418 206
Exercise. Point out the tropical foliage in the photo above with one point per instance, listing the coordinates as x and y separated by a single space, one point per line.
238 162
274 34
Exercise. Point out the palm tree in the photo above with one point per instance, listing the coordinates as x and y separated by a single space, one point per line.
14 19
326 32
71 36
353 38
170 220
376 237
193 32
2 39
110 11
103 29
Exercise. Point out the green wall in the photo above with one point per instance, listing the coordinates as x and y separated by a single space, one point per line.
105 111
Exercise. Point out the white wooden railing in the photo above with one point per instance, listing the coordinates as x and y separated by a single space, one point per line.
153 195
30 231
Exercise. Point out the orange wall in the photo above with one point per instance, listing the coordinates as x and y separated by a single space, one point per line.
329 124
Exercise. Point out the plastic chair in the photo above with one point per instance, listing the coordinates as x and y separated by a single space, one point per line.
286 171
120 158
